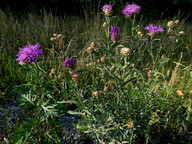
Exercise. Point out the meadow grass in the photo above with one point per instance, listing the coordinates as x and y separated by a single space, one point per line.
140 97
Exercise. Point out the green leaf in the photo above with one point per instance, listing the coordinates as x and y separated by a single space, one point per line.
83 128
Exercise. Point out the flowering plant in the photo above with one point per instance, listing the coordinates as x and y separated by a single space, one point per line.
29 54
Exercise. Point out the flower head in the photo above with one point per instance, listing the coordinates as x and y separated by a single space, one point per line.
70 63
29 54
125 51
131 9
114 33
153 29
107 9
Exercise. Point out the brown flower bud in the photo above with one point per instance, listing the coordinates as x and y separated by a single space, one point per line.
75 77
170 24
176 22
84 114
140 34
98 61
138 27
96 93
92 45
106 89
149 74
105 24
179 93
60 36
130 124
55 35
125 51
181 33
90 50
53 70
51 75
103 59
119 76
132 65
52 38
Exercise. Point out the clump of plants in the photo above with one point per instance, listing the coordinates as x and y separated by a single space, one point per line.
123 87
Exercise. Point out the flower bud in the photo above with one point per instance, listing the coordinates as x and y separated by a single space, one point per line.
181 33
96 93
149 74
84 114
179 93
90 50
125 51
170 24
176 22
60 36
75 77
130 124
105 24
52 38
55 35
103 59
106 89
92 45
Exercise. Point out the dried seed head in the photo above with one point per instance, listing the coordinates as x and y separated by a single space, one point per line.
119 76
106 89
92 44
55 35
60 36
75 77
98 61
176 22
113 67
132 65
179 93
96 93
138 27
103 59
51 75
125 51
181 33
105 24
53 70
90 50
170 24
149 74
84 114
130 124
52 38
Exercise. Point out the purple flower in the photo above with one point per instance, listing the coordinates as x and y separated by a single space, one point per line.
153 29
70 63
131 9
29 54
114 33
107 9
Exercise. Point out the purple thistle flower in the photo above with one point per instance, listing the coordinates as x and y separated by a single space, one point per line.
29 54
131 9
114 33
153 29
107 9
70 63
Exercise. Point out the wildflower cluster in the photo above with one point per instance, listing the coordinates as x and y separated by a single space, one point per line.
29 54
